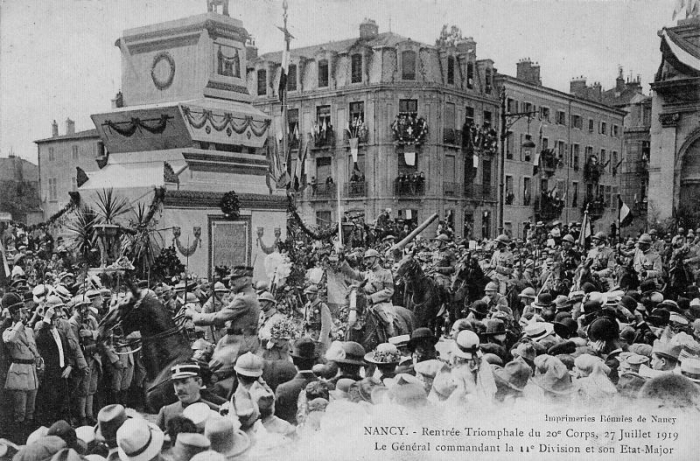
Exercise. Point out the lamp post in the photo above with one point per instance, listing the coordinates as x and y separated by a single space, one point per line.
508 119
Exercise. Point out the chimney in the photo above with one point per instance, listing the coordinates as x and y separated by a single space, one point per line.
619 81
70 126
529 72
577 87
466 46
251 50
368 29
54 129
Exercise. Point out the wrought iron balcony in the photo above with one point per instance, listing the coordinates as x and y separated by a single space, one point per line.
480 192
450 188
547 208
324 138
596 207
452 136
322 191
409 188
355 189
641 207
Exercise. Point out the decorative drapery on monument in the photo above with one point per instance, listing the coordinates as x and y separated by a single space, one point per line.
127 129
225 121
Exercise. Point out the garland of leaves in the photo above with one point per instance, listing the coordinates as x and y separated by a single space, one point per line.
230 205
73 204
319 235
257 127
408 130
157 201
135 123
187 252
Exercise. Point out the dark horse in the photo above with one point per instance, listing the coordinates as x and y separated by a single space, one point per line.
423 295
364 326
679 279
164 344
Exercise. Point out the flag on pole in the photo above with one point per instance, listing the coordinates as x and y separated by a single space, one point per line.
300 170
283 75
625 214
271 176
354 148
585 229
536 163
409 158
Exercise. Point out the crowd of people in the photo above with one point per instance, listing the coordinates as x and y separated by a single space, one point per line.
560 322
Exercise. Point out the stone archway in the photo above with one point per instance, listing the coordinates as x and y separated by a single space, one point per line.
689 178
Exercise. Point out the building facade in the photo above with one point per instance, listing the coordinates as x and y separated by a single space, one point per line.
19 190
424 119
574 164
59 157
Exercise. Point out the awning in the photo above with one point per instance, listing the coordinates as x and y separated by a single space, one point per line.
680 52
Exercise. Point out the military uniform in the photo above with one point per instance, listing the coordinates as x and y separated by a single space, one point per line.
379 287
22 380
317 323
212 306
444 265
603 264
502 267
85 384
648 262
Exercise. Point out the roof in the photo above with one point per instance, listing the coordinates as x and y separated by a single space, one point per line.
624 98
383 39
79 135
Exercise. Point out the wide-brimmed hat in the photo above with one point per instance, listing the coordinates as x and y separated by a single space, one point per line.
109 420
514 375
139 440
690 368
466 345
304 348
556 378
199 413
538 330
187 445
603 329
225 438
42 449
566 327
385 354
250 365
480 307
421 335
494 327
350 353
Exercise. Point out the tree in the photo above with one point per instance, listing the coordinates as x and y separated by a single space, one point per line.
449 36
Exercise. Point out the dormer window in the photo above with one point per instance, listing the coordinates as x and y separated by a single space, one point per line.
488 84
450 70
323 73
470 75
262 82
356 68
408 65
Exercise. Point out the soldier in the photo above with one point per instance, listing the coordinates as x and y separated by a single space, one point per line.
495 301
443 261
567 259
317 319
240 318
602 256
84 327
269 315
657 244
379 287
213 305
501 263
647 262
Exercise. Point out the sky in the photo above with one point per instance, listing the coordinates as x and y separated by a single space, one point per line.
58 59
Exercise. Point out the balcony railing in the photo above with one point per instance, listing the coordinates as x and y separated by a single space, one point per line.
547 208
596 207
409 188
452 136
450 188
640 207
480 192
322 191
355 189
324 138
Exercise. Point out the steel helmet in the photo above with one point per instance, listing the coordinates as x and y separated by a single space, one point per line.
503 238
491 286
371 253
442 238
600 236
220 287
645 238
528 292
568 238
652 232
267 296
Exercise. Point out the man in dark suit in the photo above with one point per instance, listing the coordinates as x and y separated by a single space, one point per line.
304 355
187 381
52 344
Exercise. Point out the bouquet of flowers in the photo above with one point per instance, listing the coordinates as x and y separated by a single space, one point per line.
284 330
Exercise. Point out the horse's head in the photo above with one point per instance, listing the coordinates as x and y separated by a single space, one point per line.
115 317
408 268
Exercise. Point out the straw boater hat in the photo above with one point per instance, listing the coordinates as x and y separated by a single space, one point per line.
538 330
187 445
225 437
139 440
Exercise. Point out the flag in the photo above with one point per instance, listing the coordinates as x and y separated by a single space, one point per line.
280 169
271 176
585 229
680 4
354 143
300 171
475 161
283 75
625 215
536 163
409 158
81 177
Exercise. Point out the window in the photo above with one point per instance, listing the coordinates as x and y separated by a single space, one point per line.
485 224
323 73
646 150
292 78
589 152
577 122
510 104
74 152
561 117
615 131
603 157
576 157
323 169
510 195
359 166
590 125
603 128
357 112
527 186
408 107
608 198
293 126
545 143
469 115
408 65
509 145
323 115
486 176
450 122
356 65
470 75
450 70
53 195
561 150
527 107
52 155
323 217
450 175
488 82
544 113
613 162
574 195
487 118
262 82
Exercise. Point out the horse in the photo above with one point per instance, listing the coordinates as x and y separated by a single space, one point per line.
679 279
164 343
364 324
468 285
423 295
626 276
584 275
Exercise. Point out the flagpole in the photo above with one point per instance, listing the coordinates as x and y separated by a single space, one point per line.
619 221
285 125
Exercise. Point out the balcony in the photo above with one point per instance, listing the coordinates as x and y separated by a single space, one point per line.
480 192
595 206
450 189
476 138
409 129
322 191
641 207
548 161
324 139
548 208
452 136
355 189
409 188
593 170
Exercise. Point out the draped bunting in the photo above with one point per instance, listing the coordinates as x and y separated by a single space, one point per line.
72 205
220 122
324 235
127 129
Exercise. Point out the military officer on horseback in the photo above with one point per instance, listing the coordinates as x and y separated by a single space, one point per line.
567 259
443 261
317 319
647 262
501 263
379 287
601 256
